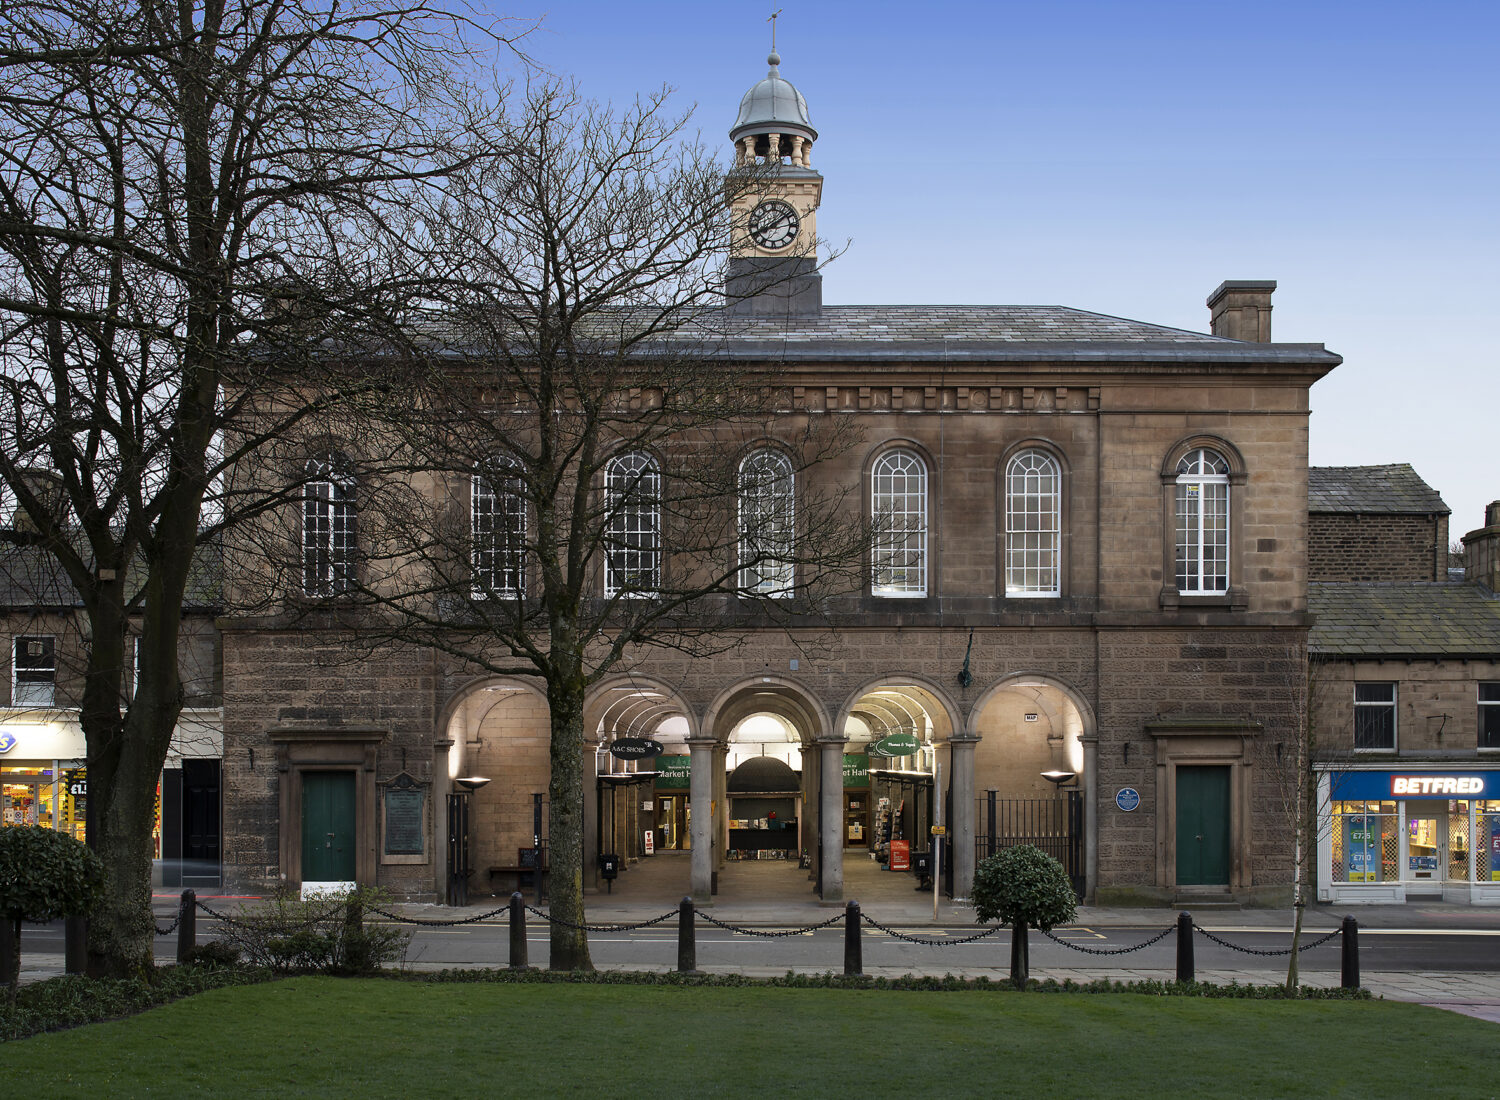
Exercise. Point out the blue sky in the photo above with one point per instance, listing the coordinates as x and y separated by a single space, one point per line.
1128 157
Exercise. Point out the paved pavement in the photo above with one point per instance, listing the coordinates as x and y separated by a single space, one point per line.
780 895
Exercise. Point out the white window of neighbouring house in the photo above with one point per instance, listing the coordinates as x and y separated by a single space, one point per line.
767 522
1202 523
1375 717
1033 525
898 511
1489 717
328 529
33 677
498 522
632 532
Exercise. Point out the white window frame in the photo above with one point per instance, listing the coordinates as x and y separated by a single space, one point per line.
1490 708
632 528
1387 705
328 528
34 691
767 522
898 510
497 518
1202 523
1033 525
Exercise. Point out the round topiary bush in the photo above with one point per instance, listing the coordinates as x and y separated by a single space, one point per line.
1023 883
1023 886
44 875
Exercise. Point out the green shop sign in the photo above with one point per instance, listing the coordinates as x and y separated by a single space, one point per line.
897 744
674 772
856 770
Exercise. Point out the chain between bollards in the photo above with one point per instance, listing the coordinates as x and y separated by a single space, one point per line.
1185 947
1349 977
517 931
687 938
854 964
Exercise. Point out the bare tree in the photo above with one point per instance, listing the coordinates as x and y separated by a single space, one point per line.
186 192
580 472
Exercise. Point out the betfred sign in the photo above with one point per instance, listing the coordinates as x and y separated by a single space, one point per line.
1433 786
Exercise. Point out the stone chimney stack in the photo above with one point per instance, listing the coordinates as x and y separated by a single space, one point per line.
1241 309
1482 550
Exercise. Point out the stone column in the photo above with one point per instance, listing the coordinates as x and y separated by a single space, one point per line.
1090 816
701 799
721 805
590 815
961 828
831 807
773 148
797 140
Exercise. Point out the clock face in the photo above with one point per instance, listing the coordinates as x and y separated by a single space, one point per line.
773 224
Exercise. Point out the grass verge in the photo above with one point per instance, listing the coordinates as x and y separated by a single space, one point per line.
378 1037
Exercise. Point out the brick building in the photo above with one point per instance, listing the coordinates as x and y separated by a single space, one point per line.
1405 686
1087 628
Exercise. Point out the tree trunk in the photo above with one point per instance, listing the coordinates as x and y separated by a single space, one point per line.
570 943
1020 960
121 928
11 930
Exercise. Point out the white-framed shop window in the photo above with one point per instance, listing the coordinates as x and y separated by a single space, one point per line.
1033 525
632 530
767 522
898 511
33 675
1375 717
1489 716
497 509
1202 523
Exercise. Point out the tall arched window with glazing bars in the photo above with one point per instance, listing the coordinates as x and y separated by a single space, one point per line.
898 511
498 529
632 529
1202 523
1033 525
328 544
767 522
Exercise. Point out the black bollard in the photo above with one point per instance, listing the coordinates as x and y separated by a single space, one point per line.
854 963
687 938
1020 955
1350 930
187 926
517 931
75 944
10 944
1185 947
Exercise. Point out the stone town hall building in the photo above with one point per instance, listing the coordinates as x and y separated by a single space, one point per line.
1100 572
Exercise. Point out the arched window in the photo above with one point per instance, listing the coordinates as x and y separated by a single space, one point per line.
767 515
328 546
498 529
1202 523
898 510
1033 525
632 530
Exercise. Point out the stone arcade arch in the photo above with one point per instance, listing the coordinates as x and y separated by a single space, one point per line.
1024 725
897 702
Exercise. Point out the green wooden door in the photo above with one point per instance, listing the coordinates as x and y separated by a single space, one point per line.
327 826
1203 826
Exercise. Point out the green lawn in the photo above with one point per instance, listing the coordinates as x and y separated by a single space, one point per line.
371 1038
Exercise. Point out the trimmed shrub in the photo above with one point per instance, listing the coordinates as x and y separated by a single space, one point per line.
1023 884
44 875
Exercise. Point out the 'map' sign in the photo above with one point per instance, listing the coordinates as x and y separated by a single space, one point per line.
1426 786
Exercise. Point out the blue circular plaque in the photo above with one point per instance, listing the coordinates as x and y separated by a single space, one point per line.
1128 798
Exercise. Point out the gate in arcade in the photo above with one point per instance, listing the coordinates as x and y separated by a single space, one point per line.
1055 825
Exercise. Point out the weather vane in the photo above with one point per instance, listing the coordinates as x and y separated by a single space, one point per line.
772 21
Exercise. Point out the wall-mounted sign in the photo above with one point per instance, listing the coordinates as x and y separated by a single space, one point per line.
634 748
1370 786
404 817
897 744
1127 798
856 770
674 773
7 741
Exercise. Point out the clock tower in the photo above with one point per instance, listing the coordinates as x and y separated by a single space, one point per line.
773 265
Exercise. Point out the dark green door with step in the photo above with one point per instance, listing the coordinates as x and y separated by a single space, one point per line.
1203 826
327 826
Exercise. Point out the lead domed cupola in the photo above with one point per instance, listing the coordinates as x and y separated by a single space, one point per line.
773 123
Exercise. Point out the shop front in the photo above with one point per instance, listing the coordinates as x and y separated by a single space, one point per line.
1398 835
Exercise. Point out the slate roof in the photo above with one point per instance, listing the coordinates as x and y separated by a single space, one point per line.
987 332
1394 489
1404 620
32 578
